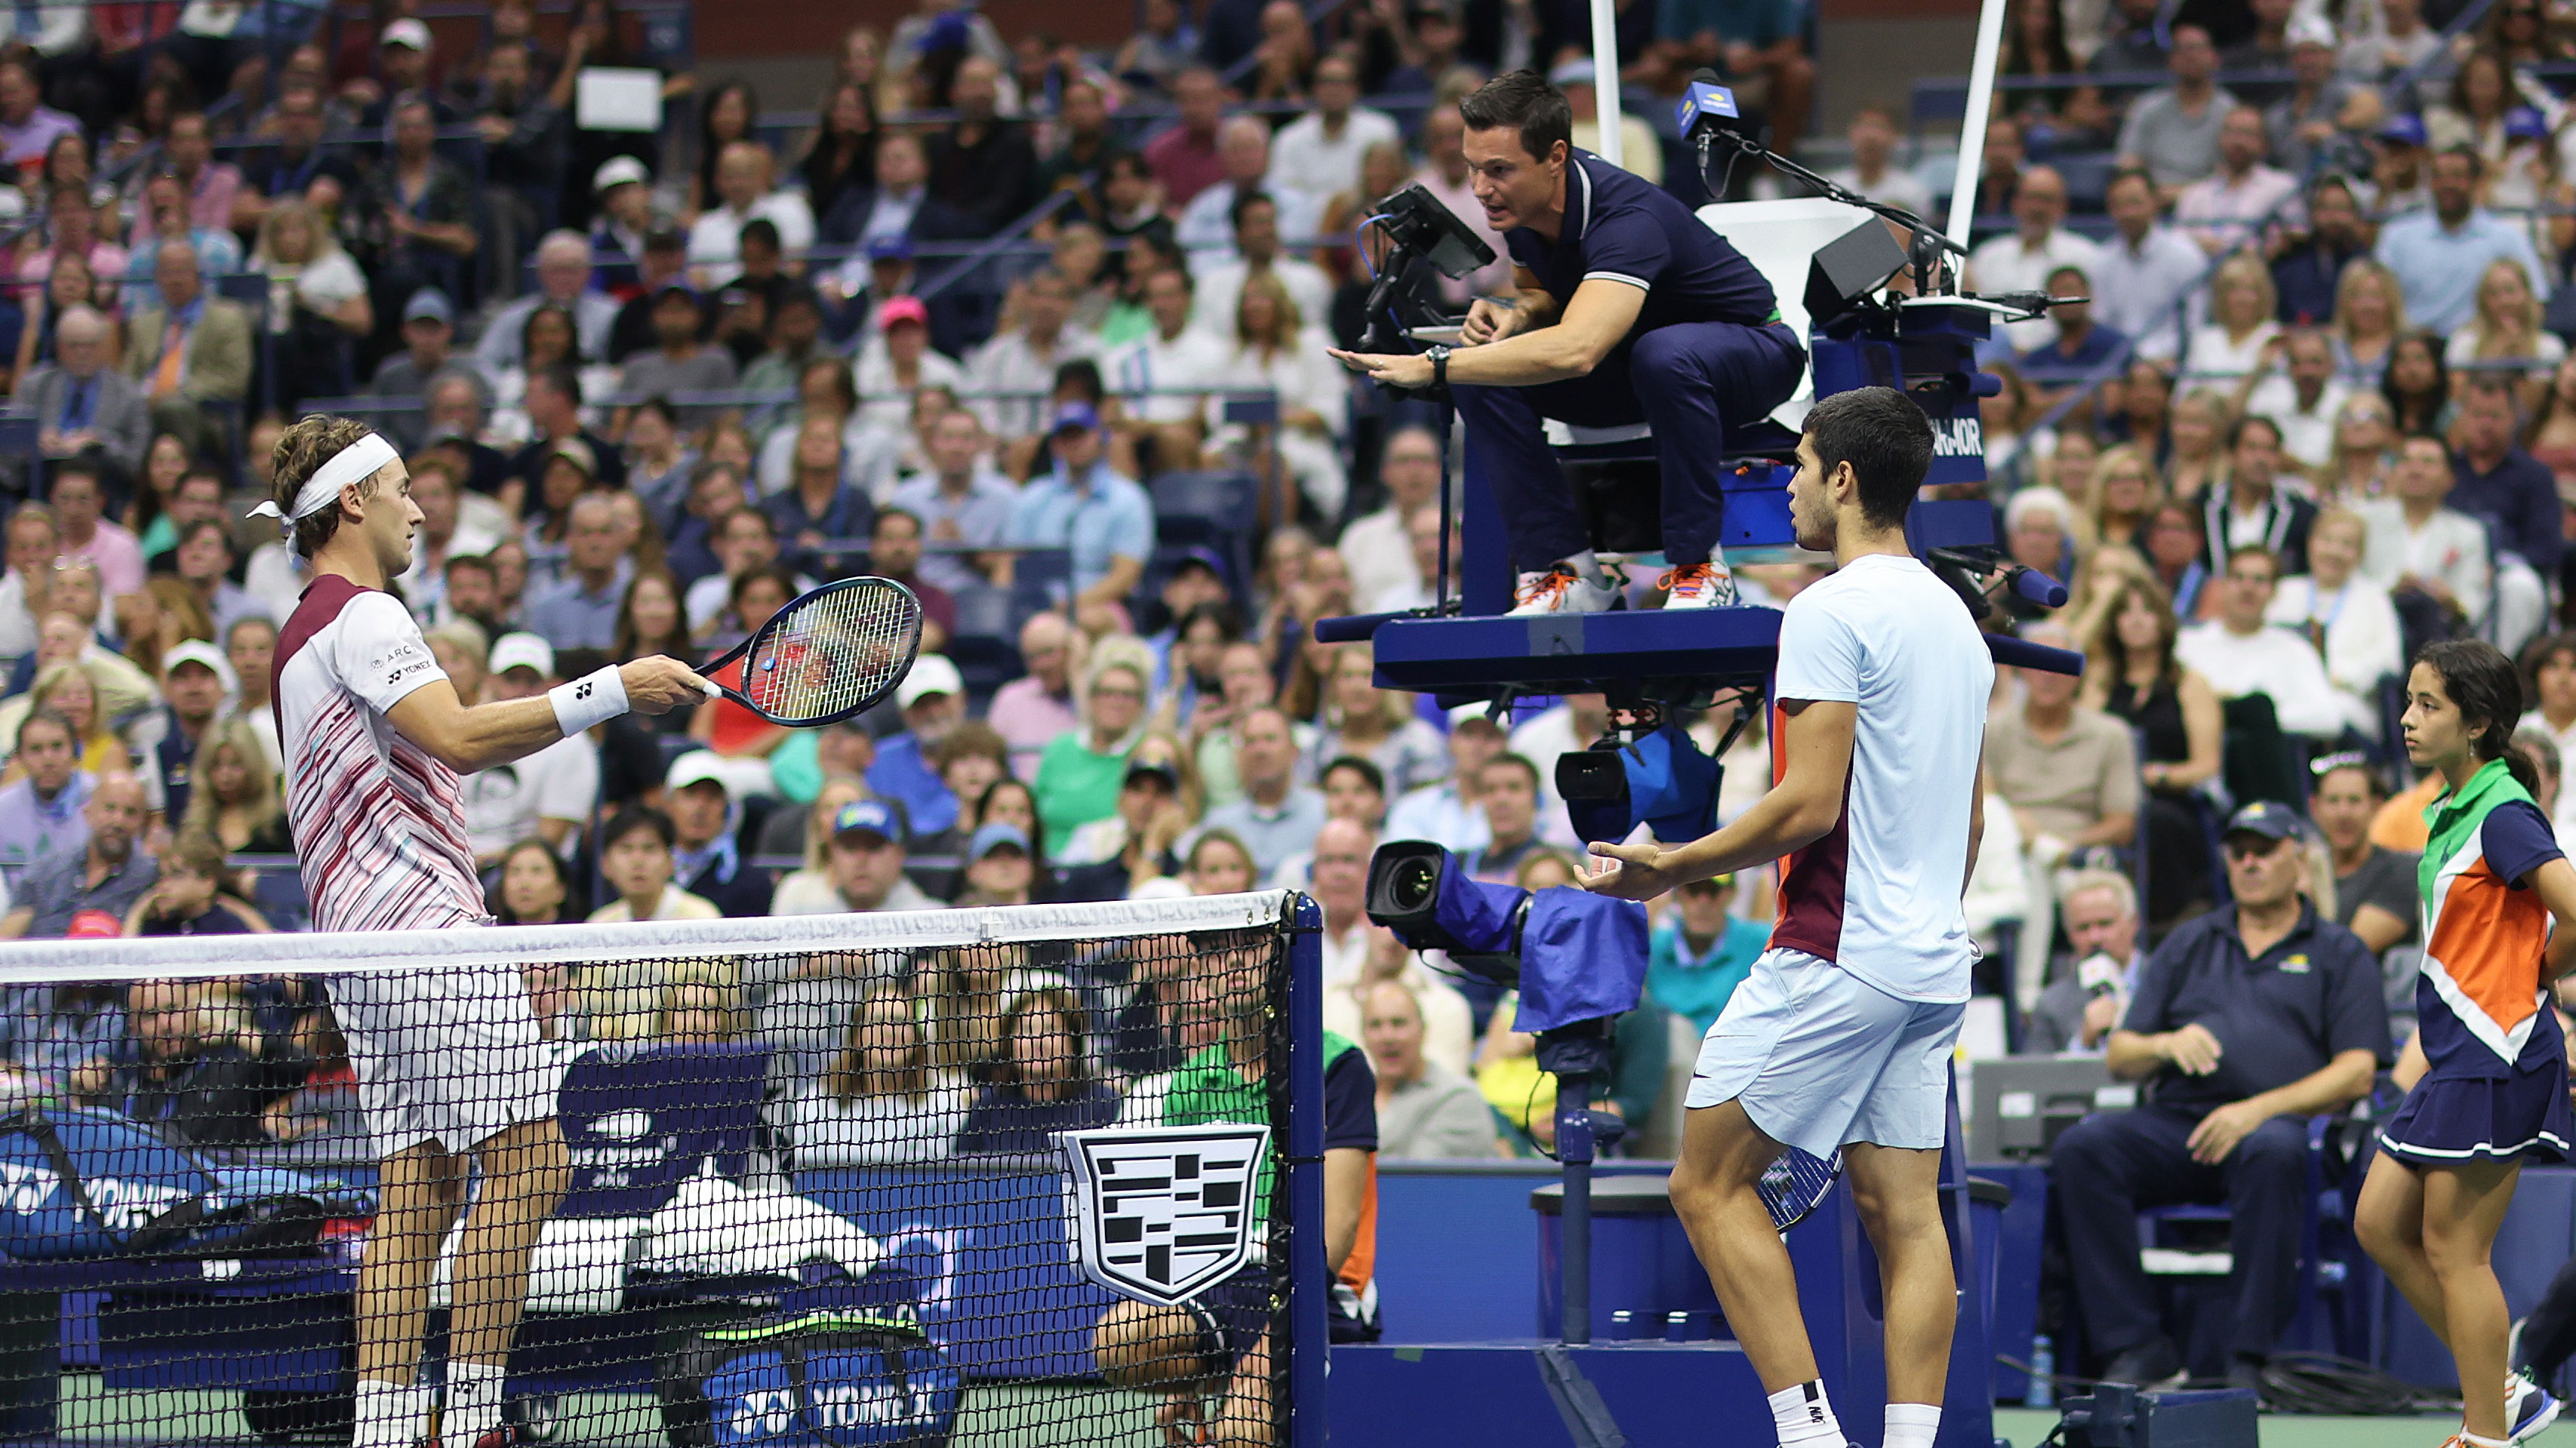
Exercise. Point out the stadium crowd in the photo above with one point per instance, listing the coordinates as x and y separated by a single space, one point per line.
2318 410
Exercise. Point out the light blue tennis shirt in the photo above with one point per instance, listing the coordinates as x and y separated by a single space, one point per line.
1102 517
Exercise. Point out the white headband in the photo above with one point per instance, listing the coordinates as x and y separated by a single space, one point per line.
355 463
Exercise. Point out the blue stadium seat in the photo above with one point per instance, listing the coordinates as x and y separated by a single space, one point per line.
985 646
1208 510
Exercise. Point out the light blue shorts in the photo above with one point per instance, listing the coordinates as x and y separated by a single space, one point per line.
1820 1057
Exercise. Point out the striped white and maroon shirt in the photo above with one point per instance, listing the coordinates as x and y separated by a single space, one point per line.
379 823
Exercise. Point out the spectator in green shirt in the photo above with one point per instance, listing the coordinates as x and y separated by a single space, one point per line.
1080 773
1701 953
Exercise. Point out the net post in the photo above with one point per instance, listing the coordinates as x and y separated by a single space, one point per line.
1309 1281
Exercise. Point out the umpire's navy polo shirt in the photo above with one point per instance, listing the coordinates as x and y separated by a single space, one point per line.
1622 228
2310 997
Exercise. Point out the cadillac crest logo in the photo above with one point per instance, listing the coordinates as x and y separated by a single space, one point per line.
1163 1212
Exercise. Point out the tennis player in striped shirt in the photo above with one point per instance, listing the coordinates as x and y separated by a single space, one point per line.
451 1073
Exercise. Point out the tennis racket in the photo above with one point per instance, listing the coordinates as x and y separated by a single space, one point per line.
831 653
1797 1184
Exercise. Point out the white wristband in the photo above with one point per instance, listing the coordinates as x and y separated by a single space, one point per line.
594 698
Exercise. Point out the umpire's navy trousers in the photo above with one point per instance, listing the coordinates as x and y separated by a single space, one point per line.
2109 1167
1688 380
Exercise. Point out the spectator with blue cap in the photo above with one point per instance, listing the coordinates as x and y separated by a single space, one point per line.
429 339
1083 505
863 869
1000 869
2246 1021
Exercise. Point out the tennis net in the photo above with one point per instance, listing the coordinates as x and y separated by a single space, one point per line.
796 1181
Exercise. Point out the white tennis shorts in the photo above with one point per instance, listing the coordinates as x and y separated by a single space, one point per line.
451 1056
1820 1057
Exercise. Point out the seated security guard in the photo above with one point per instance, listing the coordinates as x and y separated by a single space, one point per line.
2246 1022
1626 310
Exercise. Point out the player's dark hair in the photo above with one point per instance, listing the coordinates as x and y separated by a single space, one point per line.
300 453
1244 201
2483 685
565 382
76 467
222 532
2258 550
2236 430
1520 762
1525 101
638 817
1887 440
1366 769
54 718
1077 378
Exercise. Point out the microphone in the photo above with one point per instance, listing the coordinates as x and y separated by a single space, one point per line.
2099 975
1707 106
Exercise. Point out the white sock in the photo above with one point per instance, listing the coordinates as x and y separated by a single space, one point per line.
473 1403
1912 1425
1804 1414
388 1414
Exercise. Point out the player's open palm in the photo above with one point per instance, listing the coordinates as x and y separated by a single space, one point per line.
660 684
1638 873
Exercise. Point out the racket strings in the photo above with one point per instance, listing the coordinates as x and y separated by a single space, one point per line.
833 652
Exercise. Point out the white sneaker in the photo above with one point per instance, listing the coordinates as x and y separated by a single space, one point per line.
1562 590
2529 1407
1698 585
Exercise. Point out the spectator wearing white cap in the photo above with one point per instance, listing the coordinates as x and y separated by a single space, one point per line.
932 699
863 869
2317 125
196 680
624 191
706 857
550 794
563 280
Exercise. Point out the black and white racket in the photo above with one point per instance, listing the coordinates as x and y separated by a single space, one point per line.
1796 1184
831 653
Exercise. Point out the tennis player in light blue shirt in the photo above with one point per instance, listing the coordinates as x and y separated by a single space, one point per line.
2439 255
1104 518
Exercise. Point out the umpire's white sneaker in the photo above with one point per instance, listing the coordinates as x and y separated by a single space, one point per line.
1698 585
1576 585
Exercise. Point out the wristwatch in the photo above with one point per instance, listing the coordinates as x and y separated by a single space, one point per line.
1439 355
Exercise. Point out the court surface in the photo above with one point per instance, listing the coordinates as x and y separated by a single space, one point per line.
2023 1427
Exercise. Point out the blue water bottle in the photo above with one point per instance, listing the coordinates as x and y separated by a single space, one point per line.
2043 1366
